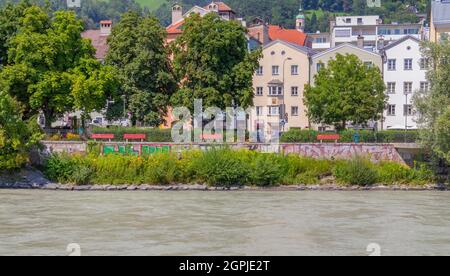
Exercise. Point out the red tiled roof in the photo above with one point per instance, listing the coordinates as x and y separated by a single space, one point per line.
289 35
222 7
175 28
99 41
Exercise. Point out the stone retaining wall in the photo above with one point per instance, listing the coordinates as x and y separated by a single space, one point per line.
376 152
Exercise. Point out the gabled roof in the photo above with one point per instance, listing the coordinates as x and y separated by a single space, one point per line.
441 11
342 46
289 35
175 28
222 7
303 49
400 41
99 41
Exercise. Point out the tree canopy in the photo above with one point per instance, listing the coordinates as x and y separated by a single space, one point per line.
49 63
138 52
433 106
212 62
346 90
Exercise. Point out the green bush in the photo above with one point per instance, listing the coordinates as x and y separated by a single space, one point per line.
153 134
225 167
268 169
222 167
358 171
347 136
17 137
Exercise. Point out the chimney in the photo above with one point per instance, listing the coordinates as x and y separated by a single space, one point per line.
105 27
177 13
360 42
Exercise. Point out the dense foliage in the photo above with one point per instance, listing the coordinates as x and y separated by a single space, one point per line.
152 134
17 137
212 63
347 136
345 90
51 68
283 12
434 105
142 63
225 167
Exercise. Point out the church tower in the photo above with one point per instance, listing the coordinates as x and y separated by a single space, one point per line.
300 19
177 13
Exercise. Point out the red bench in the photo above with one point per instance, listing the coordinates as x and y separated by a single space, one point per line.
328 137
96 136
136 136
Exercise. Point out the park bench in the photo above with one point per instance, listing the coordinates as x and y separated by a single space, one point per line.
105 136
136 136
328 137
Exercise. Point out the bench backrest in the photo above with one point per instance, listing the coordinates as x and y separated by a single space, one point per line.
328 137
134 136
102 136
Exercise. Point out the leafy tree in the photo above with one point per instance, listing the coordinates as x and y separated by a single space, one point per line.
16 136
212 62
138 52
346 90
434 105
10 16
44 58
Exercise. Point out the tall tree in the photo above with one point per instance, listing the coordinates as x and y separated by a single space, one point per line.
434 105
213 63
42 58
344 91
137 51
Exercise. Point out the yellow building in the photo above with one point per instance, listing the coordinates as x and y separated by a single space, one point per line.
440 19
278 84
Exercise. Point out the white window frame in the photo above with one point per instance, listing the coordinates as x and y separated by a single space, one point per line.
391 87
275 70
408 64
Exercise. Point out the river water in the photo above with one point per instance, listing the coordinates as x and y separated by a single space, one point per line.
224 223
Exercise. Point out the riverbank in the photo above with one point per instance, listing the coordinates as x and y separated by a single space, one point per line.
33 179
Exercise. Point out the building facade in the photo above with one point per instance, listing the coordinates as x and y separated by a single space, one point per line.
440 19
99 38
278 84
369 32
404 74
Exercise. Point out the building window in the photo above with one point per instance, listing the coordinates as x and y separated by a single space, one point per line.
294 110
360 20
274 110
294 91
408 64
407 88
348 20
275 90
391 87
424 86
275 70
392 64
260 71
294 70
319 66
423 64
259 91
321 40
407 110
259 111
343 33
391 110
368 64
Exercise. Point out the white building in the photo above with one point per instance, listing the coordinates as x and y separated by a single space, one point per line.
369 32
404 74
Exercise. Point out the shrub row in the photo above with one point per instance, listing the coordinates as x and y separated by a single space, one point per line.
365 136
225 167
